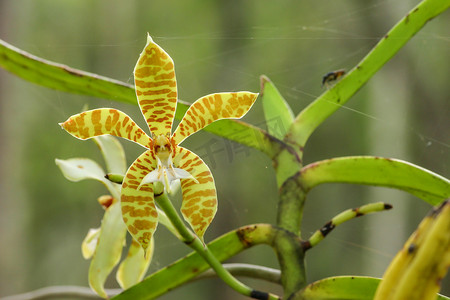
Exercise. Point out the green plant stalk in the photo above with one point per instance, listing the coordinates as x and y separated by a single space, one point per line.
287 241
202 249
330 101
344 216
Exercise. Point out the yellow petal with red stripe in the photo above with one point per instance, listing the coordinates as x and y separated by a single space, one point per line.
199 196
138 204
103 121
156 88
211 108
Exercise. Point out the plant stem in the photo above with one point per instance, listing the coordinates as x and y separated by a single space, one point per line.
194 242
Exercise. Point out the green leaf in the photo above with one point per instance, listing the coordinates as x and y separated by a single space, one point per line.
109 248
63 78
378 171
330 101
133 268
342 288
113 153
277 112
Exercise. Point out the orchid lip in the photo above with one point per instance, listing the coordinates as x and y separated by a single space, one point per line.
165 173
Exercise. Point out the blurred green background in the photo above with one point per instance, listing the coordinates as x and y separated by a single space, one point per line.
218 46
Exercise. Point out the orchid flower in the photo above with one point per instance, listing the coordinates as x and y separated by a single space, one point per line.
163 161
103 245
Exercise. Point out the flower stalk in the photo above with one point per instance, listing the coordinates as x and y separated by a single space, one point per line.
202 249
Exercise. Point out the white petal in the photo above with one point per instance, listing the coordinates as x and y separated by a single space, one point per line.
153 176
180 173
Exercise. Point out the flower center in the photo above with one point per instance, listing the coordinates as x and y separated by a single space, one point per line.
165 173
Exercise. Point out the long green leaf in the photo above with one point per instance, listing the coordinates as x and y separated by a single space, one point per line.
278 113
192 265
330 101
63 78
378 171
342 288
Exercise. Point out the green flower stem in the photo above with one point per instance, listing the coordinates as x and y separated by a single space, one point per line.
344 216
194 242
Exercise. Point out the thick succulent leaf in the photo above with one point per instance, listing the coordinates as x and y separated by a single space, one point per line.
113 154
199 196
90 243
103 121
109 248
211 108
63 78
278 113
379 171
342 287
77 169
133 268
138 204
156 88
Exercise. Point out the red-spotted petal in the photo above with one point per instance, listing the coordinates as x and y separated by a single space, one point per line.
103 121
156 88
138 204
211 108
199 196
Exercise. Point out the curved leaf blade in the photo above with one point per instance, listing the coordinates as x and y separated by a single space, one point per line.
378 171
343 288
276 109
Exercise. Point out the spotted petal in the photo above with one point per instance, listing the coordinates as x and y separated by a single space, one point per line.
138 205
199 195
156 88
133 268
211 108
103 121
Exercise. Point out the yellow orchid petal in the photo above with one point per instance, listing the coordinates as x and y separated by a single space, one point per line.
90 243
156 88
102 121
133 268
138 205
211 108
199 193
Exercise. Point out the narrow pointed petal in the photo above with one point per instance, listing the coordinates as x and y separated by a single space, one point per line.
199 196
103 121
211 108
138 205
156 88
90 243
133 268
109 249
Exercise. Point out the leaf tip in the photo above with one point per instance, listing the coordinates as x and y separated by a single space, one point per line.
263 79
